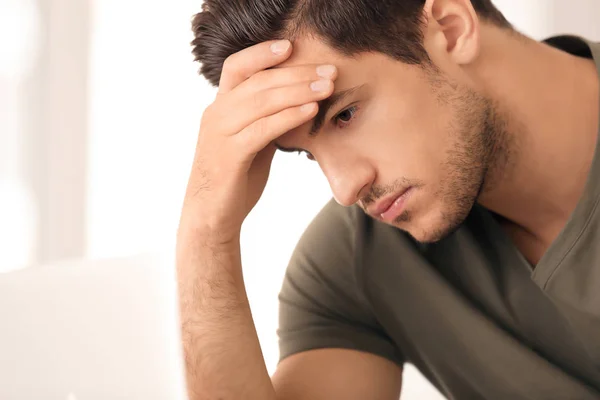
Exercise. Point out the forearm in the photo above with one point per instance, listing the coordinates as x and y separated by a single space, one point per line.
222 352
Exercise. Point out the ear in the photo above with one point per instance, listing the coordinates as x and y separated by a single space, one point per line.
455 26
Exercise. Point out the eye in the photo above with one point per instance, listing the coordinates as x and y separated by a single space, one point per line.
345 117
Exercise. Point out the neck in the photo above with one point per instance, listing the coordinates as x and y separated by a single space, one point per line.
551 100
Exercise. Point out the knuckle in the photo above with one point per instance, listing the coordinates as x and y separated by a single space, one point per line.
208 113
261 77
260 100
245 142
228 64
260 128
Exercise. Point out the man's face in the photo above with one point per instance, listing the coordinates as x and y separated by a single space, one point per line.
406 128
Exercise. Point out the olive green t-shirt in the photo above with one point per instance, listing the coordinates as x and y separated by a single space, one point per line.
468 311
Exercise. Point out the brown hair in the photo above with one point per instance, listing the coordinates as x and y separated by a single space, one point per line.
391 27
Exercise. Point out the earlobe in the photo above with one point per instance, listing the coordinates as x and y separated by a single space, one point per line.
458 22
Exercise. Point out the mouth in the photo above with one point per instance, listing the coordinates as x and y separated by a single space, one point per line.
388 209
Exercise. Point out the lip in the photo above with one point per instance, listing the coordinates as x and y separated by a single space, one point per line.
383 206
397 207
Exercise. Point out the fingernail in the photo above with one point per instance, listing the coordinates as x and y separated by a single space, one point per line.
320 86
280 47
326 71
307 108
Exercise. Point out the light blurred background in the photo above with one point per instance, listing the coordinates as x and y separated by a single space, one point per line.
100 105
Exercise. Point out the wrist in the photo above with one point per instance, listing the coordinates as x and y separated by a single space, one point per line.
196 230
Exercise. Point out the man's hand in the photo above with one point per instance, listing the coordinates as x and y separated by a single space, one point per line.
254 106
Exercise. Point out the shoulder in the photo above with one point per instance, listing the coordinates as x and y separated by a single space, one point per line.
322 302
327 248
333 229
339 252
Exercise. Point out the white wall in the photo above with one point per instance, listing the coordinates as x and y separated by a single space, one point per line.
143 128
145 111
19 31
145 102
44 53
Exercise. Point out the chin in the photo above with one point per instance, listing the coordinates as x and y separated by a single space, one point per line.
424 235
434 226
430 235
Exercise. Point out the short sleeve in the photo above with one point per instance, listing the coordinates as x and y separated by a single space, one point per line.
322 303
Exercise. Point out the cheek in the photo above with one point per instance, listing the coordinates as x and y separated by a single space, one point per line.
409 139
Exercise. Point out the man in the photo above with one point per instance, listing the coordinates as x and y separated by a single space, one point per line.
463 238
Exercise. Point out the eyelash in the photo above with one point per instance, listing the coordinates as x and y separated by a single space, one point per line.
352 109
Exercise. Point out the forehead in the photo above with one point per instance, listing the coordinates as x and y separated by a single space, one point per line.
352 71
310 50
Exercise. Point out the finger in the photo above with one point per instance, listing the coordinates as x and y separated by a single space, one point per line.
261 133
278 77
241 65
268 102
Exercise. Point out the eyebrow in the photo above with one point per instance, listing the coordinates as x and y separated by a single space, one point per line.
328 104
324 107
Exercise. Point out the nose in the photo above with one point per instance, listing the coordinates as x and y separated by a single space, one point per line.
350 179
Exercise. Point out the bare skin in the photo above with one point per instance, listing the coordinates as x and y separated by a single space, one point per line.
545 104
534 106
223 356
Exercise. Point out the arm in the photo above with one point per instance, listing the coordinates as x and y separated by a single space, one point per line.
332 374
255 105
328 332
223 356
222 353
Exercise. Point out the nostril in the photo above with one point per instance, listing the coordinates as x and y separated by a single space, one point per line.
363 192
